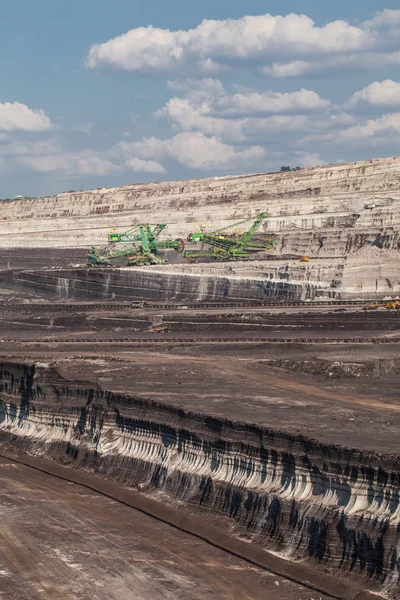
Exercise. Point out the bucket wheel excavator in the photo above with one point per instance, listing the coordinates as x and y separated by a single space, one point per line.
231 246
140 244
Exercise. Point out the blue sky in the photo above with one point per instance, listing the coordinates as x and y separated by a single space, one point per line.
93 96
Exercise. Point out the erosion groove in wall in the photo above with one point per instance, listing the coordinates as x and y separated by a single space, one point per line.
337 508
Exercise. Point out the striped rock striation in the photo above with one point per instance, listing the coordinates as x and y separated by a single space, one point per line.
336 509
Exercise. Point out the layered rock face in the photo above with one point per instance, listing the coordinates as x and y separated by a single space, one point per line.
338 509
154 284
346 218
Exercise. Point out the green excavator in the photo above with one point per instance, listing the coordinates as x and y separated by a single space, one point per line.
231 246
140 244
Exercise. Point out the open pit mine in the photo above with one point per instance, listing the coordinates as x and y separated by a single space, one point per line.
199 389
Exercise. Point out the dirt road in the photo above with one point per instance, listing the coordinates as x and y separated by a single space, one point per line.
59 541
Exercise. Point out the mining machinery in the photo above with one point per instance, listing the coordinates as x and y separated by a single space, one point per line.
140 244
147 236
231 246
393 305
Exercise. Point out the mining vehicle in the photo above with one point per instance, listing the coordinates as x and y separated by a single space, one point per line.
231 246
393 305
102 257
139 244
159 329
147 235
139 304
96 260
304 259
372 306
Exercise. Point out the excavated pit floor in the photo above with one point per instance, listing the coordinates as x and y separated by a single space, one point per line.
341 366
59 541
329 374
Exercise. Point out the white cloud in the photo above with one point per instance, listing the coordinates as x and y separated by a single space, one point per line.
145 166
307 160
382 131
188 117
238 117
386 124
215 45
13 147
341 119
278 46
293 68
384 17
194 150
325 65
254 103
16 116
45 164
205 86
90 163
384 93
84 162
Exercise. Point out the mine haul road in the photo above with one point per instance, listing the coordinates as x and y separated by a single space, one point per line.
61 541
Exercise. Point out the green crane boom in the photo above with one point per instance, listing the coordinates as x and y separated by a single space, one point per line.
253 229
136 234
230 246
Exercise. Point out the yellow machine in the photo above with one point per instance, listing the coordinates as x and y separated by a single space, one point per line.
372 306
304 259
393 305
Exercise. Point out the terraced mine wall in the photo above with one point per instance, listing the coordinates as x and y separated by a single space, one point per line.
334 508
345 218
133 284
329 210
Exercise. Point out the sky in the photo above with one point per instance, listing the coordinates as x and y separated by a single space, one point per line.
101 94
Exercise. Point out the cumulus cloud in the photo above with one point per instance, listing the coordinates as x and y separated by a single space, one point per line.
254 103
275 45
307 160
236 118
383 131
326 65
16 116
193 150
46 163
145 166
185 116
293 68
384 93
385 125
13 147
384 17
90 163
219 44
85 162
203 87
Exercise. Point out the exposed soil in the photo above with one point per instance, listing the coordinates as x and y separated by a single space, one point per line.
339 378
323 374
92 548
